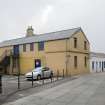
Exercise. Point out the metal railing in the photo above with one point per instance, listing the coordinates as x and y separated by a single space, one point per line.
53 78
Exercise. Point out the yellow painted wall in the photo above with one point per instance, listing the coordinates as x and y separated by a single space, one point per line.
56 61
80 53
57 45
55 55
80 65
27 58
80 43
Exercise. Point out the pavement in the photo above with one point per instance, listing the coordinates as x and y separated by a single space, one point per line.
10 92
86 90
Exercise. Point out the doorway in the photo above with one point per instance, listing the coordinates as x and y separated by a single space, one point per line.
16 50
37 63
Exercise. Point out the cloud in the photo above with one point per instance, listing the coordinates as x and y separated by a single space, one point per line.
39 21
46 14
52 15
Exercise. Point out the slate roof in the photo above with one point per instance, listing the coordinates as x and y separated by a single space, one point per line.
41 37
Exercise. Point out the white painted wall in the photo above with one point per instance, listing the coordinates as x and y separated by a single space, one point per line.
97 64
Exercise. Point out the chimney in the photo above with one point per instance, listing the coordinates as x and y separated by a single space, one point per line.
30 31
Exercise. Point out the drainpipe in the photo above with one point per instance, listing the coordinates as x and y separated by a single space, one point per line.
11 62
18 61
66 58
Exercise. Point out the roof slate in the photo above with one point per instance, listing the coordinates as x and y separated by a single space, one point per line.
41 37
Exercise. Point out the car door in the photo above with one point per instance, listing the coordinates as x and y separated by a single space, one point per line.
44 73
47 72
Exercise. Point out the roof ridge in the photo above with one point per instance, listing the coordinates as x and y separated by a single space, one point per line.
38 35
60 30
41 37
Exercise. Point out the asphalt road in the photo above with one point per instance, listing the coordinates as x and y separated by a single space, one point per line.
86 90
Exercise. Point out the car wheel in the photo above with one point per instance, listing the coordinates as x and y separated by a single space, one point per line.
39 77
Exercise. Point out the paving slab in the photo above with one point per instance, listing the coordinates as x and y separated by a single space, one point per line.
86 90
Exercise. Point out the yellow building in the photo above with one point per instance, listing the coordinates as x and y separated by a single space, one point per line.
66 50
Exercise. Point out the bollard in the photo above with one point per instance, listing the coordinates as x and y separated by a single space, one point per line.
19 81
43 77
63 73
51 77
57 74
0 83
32 80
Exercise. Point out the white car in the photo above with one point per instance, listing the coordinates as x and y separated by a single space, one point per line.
39 73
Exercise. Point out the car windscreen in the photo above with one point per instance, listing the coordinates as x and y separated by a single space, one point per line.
37 69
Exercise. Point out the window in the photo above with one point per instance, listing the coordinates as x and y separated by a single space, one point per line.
104 64
100 64
24 47
85 45
31 46
41 46
93 65
75 42
96 64
16 50
37 63
75 61
85 61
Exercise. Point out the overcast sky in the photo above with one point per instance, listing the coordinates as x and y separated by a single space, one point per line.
53 15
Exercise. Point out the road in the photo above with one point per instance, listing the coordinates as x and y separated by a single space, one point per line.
86 90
